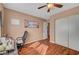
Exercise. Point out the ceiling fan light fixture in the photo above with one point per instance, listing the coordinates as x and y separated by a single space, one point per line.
50 5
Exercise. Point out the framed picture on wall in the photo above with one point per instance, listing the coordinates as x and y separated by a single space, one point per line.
31 24
15 22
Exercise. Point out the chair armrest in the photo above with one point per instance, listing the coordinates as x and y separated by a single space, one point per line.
19 40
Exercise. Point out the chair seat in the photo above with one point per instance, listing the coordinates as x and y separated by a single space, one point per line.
3 52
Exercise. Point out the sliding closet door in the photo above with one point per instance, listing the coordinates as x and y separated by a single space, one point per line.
0 23
74 32
61 32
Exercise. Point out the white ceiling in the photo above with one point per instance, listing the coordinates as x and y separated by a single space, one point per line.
31 8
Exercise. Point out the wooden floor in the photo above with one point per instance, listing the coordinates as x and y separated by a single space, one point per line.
53 49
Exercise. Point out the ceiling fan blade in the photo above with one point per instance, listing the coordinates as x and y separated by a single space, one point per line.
48 10
58 5
42 6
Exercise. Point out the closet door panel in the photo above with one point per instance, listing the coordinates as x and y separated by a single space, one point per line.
74 32
61 32
0 22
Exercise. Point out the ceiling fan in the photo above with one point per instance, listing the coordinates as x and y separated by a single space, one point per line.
51 6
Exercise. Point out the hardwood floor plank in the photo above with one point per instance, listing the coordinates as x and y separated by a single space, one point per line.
53 49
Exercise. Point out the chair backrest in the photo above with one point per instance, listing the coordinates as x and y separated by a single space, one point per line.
24 37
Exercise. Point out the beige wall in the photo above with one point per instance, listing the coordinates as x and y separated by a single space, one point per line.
2 13
0 6
66 13
17 31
